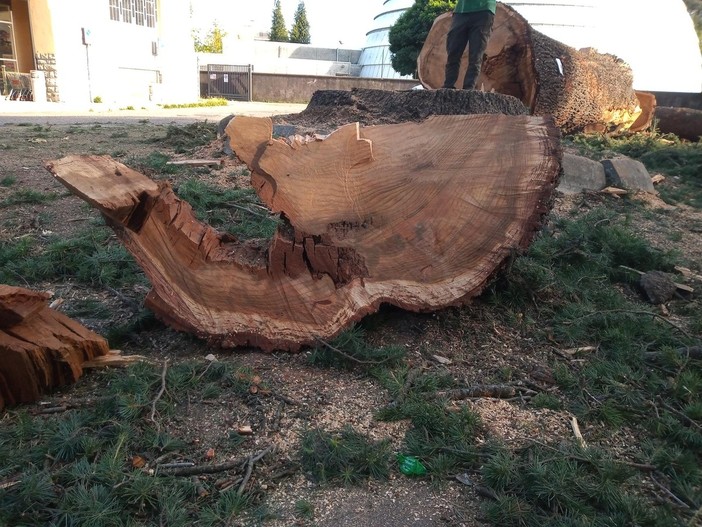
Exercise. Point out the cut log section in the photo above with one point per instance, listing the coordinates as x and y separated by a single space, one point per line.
40 349
583 90
686 123
419 215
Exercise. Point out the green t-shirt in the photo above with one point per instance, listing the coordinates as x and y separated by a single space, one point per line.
470 6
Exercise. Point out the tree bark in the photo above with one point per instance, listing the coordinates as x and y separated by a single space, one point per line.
583 90
686 123
419 215
40 349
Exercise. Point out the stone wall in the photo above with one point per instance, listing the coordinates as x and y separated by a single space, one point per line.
46 62
274 87
679 99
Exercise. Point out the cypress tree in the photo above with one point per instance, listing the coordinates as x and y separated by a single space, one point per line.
278 31
300 31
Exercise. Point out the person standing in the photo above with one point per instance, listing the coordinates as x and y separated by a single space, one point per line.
471 25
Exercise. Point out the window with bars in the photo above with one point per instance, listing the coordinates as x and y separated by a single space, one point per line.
114 10
126 9
138 7
139 12
150 11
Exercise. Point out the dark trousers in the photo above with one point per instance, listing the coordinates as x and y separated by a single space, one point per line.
474 30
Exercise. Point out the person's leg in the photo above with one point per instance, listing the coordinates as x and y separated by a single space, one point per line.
478 37
456 42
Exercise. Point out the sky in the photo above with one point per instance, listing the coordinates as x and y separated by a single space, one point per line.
331 21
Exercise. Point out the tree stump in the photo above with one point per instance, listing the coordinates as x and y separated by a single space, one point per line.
40 349
418 215
583 90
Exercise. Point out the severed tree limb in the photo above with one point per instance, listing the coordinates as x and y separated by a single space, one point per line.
677 501
152 417
236 464
690 353
52 407
495 391
633 312
203 469
285 399
639 466
685 419
249 467
351 357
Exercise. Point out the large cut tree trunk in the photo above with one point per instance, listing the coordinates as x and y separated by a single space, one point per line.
683 122
583 90
40 349
419 215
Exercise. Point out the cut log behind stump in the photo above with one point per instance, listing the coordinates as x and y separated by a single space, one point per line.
686 123
419 215
583 90
41 350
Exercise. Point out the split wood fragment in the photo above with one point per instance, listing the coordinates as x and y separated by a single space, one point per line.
40 348
576 432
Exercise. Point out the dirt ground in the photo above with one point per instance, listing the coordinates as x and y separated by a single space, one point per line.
481 349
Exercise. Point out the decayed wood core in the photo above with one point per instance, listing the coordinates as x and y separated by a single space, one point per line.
419 215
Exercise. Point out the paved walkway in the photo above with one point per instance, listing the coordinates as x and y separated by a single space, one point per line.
14 112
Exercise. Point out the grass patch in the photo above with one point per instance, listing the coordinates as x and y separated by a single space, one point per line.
545 486
237 211
660 153
304 509
202 103
186 138
569 291
345 456
88 308
155 163
27 196
92 257
78 467
350 350
8 181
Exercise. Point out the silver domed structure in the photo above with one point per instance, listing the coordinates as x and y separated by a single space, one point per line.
375 57
656 38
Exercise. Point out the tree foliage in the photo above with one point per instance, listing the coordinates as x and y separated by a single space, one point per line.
300 31
694 7
278 31
410 31
212 43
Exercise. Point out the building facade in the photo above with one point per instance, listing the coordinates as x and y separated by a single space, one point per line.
123 51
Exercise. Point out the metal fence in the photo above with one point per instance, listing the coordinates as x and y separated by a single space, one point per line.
229 81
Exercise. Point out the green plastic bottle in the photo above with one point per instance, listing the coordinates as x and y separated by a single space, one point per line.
410 465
